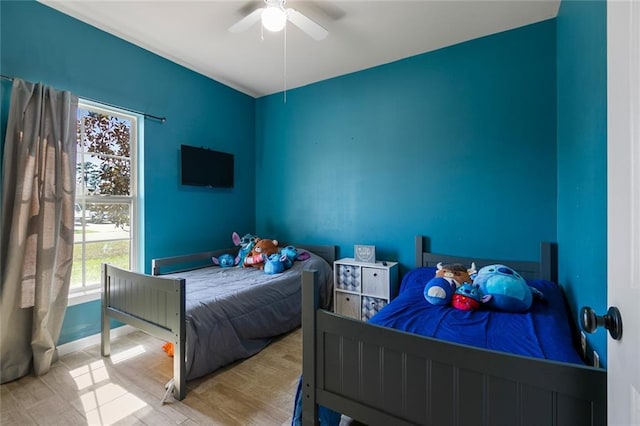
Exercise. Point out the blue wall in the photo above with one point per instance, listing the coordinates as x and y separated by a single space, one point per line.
458 144
40 44
582 158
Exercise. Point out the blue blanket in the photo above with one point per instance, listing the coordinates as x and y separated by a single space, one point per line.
542 332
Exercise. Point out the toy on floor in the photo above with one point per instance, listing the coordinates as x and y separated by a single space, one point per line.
168 348
440 289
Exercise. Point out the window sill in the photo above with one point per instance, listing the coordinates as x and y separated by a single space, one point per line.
79 297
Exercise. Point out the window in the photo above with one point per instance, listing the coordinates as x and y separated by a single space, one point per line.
106 192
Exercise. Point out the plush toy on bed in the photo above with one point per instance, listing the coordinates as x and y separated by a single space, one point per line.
275 264
283 260
225 260
508 290
293 254
439 290
260 252
469 297
246 244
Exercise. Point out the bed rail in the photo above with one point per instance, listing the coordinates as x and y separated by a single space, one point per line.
187 262
382 376
155 305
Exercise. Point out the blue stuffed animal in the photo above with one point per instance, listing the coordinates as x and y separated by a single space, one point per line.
509 291
274 264
292 255
439 290
246 244
224 261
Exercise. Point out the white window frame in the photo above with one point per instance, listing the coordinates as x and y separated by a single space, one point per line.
93 292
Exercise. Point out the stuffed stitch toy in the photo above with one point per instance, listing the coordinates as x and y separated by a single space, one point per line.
439 290
468 297
275 264
293 254
510 292
261 251
246 244
225 260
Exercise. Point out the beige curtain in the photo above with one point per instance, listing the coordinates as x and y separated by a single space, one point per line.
36 254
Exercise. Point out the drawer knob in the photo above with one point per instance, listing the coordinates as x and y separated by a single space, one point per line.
375 274
348 300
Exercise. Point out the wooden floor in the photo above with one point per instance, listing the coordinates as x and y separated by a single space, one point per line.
84 388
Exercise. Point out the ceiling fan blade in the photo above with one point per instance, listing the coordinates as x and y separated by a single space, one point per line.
247 21
307 25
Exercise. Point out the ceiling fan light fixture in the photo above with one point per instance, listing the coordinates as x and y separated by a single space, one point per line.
274 18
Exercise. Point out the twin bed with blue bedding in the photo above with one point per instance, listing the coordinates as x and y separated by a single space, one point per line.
542 332
418 363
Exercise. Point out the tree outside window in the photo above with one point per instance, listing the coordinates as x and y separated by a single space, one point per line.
105 193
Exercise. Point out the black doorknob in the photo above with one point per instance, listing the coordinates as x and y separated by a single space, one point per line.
612 321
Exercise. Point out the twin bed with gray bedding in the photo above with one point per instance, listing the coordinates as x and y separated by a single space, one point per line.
212 315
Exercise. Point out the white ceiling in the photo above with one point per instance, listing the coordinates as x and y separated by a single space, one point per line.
362 34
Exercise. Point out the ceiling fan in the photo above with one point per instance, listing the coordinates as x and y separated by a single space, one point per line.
274 17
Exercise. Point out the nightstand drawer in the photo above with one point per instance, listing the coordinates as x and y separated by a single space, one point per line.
375 282
348 304
348 277
371 306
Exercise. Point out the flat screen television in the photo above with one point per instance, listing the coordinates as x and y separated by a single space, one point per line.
206 167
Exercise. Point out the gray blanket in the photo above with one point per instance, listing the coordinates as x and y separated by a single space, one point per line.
233 313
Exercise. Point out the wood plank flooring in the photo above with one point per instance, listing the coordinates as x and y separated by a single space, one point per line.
84 388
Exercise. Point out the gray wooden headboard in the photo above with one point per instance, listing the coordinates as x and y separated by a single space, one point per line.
546 268
326 252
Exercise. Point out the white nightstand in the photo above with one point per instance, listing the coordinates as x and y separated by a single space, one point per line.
361 288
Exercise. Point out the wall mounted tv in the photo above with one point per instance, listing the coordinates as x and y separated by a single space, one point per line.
206 167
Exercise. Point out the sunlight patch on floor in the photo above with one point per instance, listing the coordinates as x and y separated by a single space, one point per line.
109 404
88 375
128 354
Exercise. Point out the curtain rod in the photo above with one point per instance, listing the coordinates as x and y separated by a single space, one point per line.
155 117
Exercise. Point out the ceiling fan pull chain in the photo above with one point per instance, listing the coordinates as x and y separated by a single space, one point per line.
285 64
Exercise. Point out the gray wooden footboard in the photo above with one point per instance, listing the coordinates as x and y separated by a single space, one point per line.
381 376
155 305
